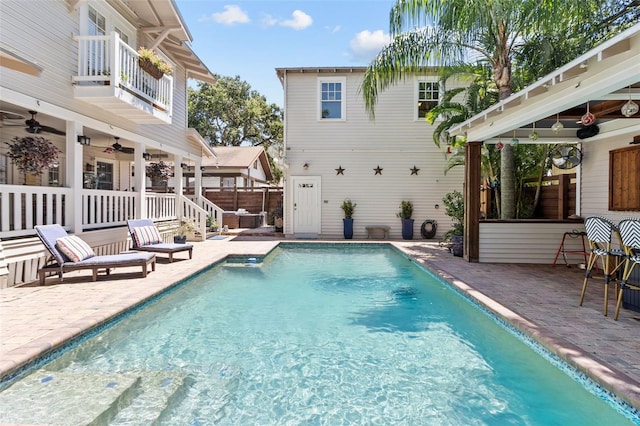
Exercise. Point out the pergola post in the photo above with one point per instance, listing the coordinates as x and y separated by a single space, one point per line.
472 182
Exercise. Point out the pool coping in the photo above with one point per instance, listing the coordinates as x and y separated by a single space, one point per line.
18 361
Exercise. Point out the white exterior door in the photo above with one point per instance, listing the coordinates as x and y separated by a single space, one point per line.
306 204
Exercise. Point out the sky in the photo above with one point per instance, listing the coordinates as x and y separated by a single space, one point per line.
250 39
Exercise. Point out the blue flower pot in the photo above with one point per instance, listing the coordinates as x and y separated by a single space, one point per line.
407 229
347 228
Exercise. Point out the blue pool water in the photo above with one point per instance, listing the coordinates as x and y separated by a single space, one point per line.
329 336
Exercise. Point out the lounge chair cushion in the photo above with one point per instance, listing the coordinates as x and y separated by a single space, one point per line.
74 248
146 235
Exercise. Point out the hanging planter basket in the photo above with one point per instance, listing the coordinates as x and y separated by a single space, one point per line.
151 68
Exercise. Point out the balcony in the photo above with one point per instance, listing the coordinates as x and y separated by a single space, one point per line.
110 77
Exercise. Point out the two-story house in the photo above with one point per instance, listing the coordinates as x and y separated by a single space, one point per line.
74 72
335 151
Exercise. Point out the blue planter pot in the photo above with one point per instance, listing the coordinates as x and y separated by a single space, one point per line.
457 245
407 229
347 228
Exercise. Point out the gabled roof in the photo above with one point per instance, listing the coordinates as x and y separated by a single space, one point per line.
238 157
602 79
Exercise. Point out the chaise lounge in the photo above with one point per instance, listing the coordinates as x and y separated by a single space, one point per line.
146 237
72 253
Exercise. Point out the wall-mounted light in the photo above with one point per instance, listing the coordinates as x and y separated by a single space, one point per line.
89 167
306 166
84 140
202 168
146 156
184 165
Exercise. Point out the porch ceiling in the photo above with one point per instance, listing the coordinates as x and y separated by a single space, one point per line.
162 21
602 79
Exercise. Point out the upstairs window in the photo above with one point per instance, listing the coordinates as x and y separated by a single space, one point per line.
97 22
428 97
331 95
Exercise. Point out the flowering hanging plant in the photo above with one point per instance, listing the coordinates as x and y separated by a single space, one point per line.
32 154
155 60
159 171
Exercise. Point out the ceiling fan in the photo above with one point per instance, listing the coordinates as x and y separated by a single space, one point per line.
566 156
116 147
33 126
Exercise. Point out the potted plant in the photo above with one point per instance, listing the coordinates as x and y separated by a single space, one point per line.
212 224
32 154
276 219
405 213
159 172
186 227
150 62
454 208
347 222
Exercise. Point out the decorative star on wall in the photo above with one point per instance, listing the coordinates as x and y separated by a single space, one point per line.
340 171
378 170
415 170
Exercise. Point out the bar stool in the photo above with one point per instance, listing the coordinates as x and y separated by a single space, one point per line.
562 249
600 232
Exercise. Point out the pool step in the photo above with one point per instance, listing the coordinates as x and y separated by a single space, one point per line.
60 398
156 394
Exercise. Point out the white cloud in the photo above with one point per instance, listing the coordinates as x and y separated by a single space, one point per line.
334 29
269 21
367 44
232 15
299 21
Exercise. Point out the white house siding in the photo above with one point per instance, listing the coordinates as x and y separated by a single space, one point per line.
526 242
595 177
54 49
395 141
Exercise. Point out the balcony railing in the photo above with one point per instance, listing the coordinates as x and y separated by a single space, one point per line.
108 61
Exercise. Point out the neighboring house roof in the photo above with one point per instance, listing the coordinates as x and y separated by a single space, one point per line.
238 157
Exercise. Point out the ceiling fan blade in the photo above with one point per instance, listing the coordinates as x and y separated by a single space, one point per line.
53 130
126 150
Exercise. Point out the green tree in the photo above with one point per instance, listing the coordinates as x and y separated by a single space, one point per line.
448 33
230 113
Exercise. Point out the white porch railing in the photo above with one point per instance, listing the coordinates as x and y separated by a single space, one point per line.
22 207
161 206
108 60
102 208
191 211
212 209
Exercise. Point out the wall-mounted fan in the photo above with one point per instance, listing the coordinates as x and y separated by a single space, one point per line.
566 156
33 126
116 147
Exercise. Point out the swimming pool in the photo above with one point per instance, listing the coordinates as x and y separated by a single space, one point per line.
316 336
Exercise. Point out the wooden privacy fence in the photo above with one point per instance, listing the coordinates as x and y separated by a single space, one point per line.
252 199
557 197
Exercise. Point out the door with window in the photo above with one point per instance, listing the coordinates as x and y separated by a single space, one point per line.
306 204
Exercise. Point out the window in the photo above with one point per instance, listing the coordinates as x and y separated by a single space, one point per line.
54 174
428 96
124 37
624 175
332 103
97 23
104 175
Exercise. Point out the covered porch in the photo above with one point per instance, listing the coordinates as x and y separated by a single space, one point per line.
592 90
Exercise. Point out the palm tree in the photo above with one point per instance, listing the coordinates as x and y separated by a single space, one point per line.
450 33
